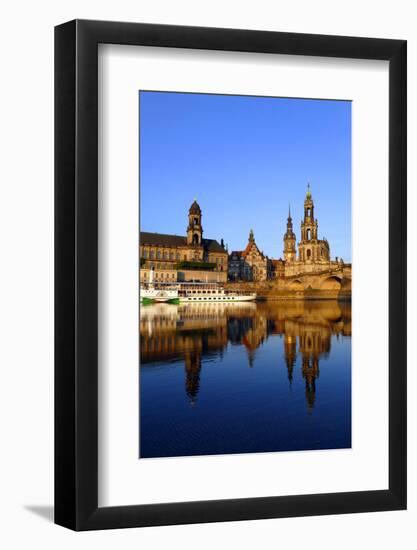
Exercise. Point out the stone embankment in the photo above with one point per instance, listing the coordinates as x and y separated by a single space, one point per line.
278 290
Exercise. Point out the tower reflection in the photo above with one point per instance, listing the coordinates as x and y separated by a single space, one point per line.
191 333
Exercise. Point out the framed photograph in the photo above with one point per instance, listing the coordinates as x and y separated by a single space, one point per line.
230 244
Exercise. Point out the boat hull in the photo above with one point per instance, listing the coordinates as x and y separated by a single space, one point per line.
146 301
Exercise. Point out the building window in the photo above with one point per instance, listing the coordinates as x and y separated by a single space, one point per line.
165 255
171 255
308 254
158 255
152 255
145 254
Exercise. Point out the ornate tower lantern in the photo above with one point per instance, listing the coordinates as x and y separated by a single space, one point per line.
309 224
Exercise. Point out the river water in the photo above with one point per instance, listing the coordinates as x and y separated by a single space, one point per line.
244 377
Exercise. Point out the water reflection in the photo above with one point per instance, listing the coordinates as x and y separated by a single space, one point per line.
190 332
247 377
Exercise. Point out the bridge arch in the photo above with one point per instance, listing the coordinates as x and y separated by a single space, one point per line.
331 283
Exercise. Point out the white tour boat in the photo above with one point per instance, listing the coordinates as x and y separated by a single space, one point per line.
196 292
190 292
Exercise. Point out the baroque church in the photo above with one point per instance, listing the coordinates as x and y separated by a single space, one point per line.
190 257
313 253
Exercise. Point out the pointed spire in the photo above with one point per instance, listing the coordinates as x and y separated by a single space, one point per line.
308 194
195 208
289 212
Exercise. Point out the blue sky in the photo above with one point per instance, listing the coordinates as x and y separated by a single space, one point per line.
245 159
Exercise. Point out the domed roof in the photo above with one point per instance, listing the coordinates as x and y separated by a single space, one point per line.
195 208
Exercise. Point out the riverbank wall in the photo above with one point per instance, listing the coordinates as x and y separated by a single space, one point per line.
280 290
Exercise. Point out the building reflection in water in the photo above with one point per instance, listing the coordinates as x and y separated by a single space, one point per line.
190 332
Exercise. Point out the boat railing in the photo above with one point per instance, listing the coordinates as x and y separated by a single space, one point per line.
157 285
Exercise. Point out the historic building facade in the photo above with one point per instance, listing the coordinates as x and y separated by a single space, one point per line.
310 255
313 252
250 264
191 257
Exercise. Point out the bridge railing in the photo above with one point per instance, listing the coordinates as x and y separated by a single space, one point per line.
328 271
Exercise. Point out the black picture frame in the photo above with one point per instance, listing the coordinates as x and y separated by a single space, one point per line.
76 273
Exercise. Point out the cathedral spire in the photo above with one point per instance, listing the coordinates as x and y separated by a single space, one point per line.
289 240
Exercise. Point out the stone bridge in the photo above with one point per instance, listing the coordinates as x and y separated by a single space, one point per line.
334 281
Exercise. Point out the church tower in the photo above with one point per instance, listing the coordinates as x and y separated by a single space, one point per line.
309 224
311 249
194 229
289 241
